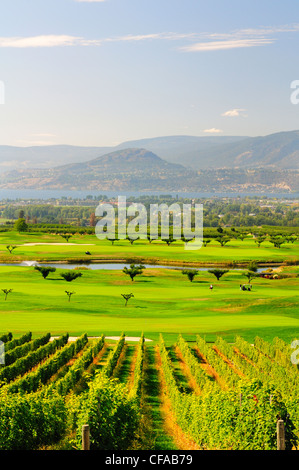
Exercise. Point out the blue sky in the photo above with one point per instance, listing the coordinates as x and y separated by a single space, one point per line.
97 73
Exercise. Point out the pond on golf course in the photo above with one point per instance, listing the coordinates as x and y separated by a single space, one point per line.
117 266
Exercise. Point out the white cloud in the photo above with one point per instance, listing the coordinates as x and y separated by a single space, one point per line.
205 41
235 113
64 40
213 131
242 38
39 41
227 44
47 41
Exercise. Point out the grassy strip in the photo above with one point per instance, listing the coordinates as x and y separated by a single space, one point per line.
138 370
153 434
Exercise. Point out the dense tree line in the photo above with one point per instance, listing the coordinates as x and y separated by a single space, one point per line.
47 213
236 212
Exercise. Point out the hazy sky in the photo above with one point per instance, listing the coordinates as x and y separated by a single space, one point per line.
100 72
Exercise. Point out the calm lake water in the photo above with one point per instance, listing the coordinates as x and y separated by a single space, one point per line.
28 194
112 266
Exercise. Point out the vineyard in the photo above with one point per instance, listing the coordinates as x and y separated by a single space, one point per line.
143 396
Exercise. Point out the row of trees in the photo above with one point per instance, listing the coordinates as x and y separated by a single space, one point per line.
223 238
21 225
233 212
50 213
250 274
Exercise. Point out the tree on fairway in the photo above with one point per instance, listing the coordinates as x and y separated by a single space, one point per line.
190 273
168 241
250 275
132 240
66 237
223 239
45 270
206 241
186 240
259 239
127 297
112 240
20 225
6 292
133 270
277 241
218 273
150 239
69 294
10 248
241 235
291 238
70 276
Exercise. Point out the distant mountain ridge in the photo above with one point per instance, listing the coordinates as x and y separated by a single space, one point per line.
279 150
126 160
192 164
122 169
47 156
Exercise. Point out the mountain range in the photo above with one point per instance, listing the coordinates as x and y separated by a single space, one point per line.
172 163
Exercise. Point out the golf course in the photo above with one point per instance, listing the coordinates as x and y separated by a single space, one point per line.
164 300
151 345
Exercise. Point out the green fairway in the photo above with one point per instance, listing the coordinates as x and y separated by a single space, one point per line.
47 247
164 302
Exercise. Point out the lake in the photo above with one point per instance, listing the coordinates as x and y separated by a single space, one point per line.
29 194
114 266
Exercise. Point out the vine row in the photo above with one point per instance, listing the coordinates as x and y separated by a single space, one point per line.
24 364
32 381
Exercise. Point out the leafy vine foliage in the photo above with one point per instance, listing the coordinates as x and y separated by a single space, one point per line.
51 387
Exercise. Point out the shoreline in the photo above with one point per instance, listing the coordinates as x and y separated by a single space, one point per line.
166 263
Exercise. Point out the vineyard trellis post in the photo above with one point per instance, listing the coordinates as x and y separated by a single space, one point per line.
280 435
2 353
85 437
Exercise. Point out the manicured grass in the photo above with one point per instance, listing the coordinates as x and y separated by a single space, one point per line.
236 251
164 302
